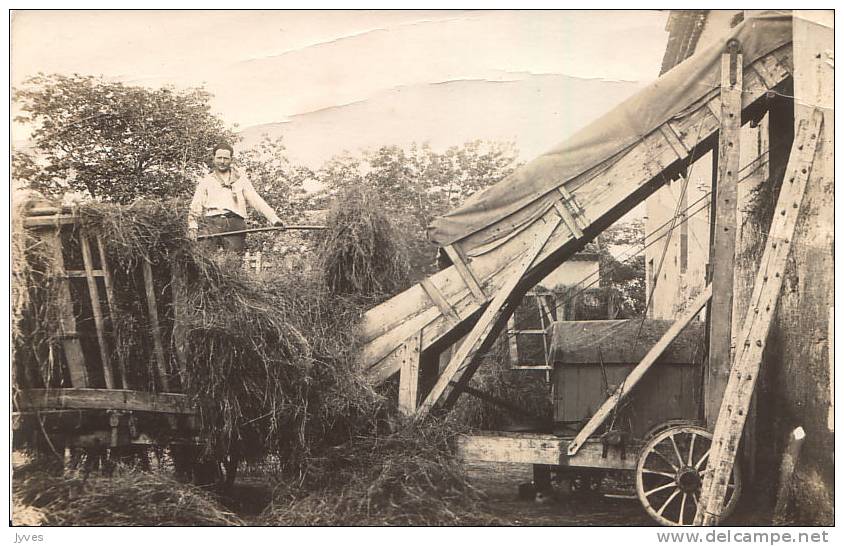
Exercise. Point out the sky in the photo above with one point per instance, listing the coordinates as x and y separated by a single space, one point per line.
265 67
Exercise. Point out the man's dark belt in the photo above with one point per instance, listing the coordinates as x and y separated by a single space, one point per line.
227 214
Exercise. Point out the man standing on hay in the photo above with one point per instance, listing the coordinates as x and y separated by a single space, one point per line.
220 198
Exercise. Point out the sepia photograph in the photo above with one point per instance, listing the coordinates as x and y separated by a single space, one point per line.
423 268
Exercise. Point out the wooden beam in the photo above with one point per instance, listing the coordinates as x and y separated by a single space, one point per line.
71 345
157 345
440 301
538 448
465 273
81 399
177 291
409 375
724 244
112 307
754 335
639 371
673 140
462 360
513 341
96 309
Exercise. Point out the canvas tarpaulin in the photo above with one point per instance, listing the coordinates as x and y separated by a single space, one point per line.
517 199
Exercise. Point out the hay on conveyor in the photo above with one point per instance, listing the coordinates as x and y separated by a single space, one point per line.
124 499
363 254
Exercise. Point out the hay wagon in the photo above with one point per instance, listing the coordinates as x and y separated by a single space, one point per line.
73 386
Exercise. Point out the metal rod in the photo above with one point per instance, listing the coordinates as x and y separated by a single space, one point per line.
253 230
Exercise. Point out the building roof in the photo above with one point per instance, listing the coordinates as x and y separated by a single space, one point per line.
684 29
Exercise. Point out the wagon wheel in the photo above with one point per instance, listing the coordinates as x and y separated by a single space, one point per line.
670 471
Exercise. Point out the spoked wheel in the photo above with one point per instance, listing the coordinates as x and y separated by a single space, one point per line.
670 472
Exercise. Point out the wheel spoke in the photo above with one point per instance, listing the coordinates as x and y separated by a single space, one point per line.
676 451
658 473
691 449
683 502
702 458
664 458
668 501
660 488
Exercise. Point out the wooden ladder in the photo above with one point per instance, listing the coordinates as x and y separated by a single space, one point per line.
753 336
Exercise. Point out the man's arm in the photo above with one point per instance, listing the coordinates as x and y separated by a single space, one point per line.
254 199
197 206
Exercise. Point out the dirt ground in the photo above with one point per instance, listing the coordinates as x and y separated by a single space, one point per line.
500 482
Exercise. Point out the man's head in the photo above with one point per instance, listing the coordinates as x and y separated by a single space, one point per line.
222 157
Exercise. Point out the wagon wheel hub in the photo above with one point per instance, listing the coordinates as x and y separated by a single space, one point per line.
689 479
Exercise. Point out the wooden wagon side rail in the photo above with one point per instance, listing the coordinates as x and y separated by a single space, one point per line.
102 399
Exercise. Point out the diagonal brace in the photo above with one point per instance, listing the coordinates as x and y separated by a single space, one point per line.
461 366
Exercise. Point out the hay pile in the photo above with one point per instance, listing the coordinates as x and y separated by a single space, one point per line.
124 499
407 477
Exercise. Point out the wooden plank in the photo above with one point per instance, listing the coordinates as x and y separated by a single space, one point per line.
158 346
84 274
639 371
513 341
535 448
724 244
567 217
674 141
440 301
104 399
465 273
409 375
177 290
50 221
64 309
456 371
753 338
94 294
112 307
607 193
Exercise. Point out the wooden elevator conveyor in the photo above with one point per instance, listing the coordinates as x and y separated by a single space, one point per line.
468 303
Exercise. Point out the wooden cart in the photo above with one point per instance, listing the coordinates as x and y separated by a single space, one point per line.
81 392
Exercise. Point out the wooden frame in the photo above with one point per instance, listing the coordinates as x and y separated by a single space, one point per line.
753 337
599 197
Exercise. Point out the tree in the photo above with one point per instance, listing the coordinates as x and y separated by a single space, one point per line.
116 142
416 184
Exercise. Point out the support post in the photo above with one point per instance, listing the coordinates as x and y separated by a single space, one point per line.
754 334
158 347
462 364
409 374
96 309
724 244
112 307
67 320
